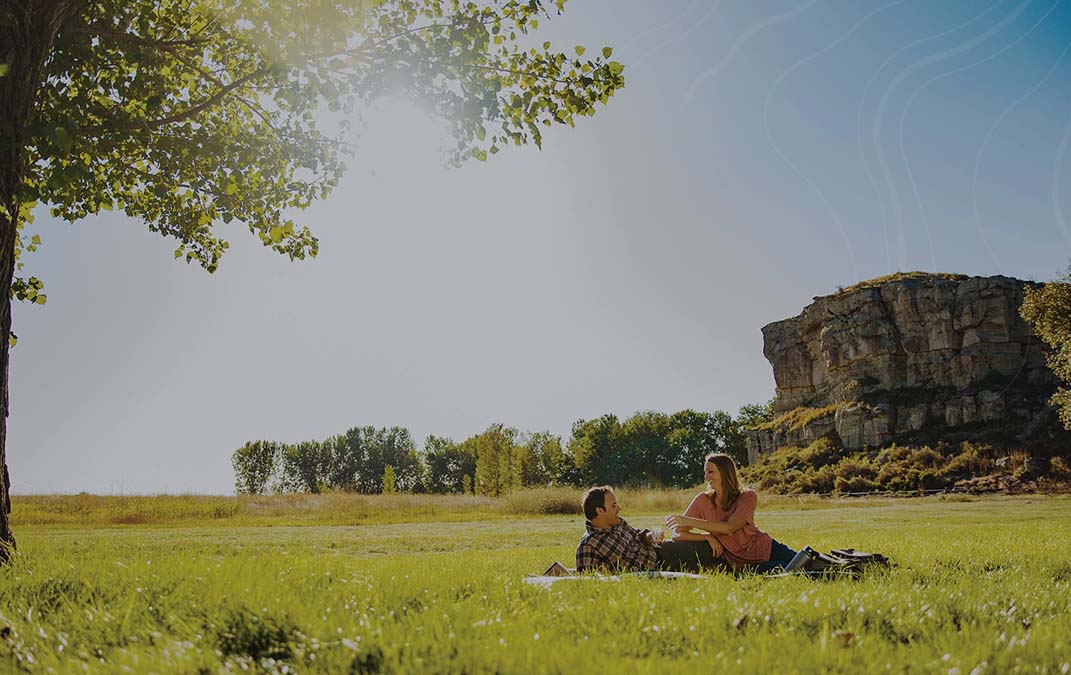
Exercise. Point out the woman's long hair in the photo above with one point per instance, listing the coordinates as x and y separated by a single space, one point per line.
730 480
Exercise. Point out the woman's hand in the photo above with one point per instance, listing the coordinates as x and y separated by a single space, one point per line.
715 546
676 521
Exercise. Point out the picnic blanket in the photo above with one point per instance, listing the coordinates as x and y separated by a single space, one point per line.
838 563
546 581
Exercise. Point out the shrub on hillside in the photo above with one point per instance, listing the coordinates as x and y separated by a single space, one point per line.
856 474
794 470
855 484
823 467
821 480
821 453
972 460
1059 469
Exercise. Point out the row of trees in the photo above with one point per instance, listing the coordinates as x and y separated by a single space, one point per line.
647 449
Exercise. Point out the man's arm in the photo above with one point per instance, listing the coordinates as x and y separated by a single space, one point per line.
690 535
589 558
644 535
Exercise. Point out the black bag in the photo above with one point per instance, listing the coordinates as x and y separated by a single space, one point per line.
845 561
837 563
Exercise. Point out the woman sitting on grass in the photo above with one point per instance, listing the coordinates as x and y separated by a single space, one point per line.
728 513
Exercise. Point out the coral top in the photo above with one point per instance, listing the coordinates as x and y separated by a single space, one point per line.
746 546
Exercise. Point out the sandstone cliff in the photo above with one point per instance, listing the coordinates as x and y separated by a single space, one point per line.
903 358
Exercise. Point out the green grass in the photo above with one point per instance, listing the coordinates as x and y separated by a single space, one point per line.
981 583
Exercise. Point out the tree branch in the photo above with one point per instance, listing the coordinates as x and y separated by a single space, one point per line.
495 69
181 116
121 36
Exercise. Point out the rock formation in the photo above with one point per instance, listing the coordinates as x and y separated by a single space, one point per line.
902 358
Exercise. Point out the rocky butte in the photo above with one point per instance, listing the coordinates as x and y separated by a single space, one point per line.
912 358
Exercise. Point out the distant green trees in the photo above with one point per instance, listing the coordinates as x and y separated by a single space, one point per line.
355 461
650 449
448 467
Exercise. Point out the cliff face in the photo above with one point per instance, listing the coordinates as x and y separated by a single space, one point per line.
885 360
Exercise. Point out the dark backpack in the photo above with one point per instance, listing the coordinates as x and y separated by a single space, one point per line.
845 561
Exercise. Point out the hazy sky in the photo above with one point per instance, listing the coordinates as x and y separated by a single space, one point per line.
761 153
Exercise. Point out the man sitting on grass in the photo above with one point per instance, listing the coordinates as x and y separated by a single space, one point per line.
612 544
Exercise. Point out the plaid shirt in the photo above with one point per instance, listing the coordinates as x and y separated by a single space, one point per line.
621 547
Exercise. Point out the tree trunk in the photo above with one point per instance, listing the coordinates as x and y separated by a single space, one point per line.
28 29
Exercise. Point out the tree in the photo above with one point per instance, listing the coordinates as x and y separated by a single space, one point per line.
1048 309
344 462
446 465
592 445
395 448
497 469
540 460
306 467
390 481
645 457
372 450
752 415
187 113
254 464
698 434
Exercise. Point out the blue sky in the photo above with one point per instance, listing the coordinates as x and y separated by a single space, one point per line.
762 152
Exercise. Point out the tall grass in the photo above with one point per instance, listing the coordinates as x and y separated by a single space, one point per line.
86 510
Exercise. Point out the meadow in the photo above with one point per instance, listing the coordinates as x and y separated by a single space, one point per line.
348 584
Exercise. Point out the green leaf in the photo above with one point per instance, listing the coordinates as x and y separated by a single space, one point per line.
546 46
41 299
276 234
580 50
607 51
615 68
231 187
63 139
3 69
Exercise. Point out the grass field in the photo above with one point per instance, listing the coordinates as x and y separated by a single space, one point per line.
981 586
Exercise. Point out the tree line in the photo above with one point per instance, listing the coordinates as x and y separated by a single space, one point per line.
649 449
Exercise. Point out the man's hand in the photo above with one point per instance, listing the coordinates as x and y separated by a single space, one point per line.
654 538
715 546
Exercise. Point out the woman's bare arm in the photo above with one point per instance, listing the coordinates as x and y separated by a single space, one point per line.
713 527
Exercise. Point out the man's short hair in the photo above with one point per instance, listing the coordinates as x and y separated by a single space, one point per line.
595 498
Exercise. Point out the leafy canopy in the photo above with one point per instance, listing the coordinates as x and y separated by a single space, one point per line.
188 113
1048 309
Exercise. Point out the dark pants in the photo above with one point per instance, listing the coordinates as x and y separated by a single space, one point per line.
687 556
780 555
